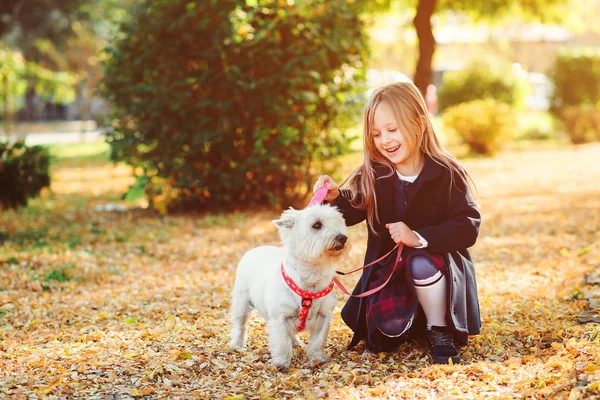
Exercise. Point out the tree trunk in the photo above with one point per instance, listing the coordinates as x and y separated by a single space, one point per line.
7 108
422 23
29 109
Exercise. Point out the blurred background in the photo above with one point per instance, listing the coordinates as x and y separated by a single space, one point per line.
180 105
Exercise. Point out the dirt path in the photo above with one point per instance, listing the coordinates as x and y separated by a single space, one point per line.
111 305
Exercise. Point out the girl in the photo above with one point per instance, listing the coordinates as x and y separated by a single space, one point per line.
411 191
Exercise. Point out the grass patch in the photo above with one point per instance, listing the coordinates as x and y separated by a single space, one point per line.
31 237
62 273
10 260
216 220
79 154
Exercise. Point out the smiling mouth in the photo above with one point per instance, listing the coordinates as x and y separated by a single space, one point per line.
393 149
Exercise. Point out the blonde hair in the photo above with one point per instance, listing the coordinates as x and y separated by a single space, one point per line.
410 111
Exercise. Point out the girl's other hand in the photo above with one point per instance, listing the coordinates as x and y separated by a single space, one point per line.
333 191
401 233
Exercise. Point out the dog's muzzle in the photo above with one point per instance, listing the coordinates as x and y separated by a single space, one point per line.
340 242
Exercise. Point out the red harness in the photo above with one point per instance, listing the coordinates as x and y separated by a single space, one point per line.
307 298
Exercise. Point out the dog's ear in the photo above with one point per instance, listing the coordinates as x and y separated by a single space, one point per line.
287 220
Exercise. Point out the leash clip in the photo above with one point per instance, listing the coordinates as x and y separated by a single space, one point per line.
306 302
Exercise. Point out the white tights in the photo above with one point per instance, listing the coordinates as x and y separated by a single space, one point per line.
432 290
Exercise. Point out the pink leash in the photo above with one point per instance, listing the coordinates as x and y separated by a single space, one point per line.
318 198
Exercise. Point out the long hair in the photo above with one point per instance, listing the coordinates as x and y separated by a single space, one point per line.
410 112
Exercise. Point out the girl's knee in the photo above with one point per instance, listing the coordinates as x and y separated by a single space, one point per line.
422 267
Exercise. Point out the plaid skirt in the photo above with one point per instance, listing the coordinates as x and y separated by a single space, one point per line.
397 300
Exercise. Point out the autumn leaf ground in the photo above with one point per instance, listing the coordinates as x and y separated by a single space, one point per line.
133 304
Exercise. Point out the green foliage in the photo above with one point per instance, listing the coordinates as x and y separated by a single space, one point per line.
484 125
576 79
57 39
12 67
576 96
57 86
481 81
23 173
581 123
222 105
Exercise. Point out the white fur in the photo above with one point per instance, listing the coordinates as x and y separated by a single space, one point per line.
309 256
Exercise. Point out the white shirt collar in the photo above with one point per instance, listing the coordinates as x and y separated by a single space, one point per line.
410 179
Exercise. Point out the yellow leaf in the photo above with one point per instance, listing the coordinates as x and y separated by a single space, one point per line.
335 368
147 391
157 370
130 355
574 352
527 359
170 322
556 345
594 387
184 355
542 384
135 392
55 382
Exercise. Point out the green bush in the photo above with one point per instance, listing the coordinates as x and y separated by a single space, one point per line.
484 125
223 104
576 80
538 125
23 173
481 81
581 123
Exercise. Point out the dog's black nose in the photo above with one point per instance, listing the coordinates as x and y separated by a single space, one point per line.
341 238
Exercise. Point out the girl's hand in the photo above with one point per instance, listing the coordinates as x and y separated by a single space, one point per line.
332 189
401 233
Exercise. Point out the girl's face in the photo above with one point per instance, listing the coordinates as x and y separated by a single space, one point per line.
392 142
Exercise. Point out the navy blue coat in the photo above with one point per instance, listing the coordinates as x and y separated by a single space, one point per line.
448 219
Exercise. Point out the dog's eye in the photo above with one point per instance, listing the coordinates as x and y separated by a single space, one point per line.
317 225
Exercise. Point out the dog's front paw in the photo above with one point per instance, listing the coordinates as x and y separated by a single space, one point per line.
236 349
318 360
281 366
236 345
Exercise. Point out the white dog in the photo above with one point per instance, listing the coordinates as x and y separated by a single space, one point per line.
313 239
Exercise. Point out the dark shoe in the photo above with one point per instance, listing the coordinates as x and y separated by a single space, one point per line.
441 342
